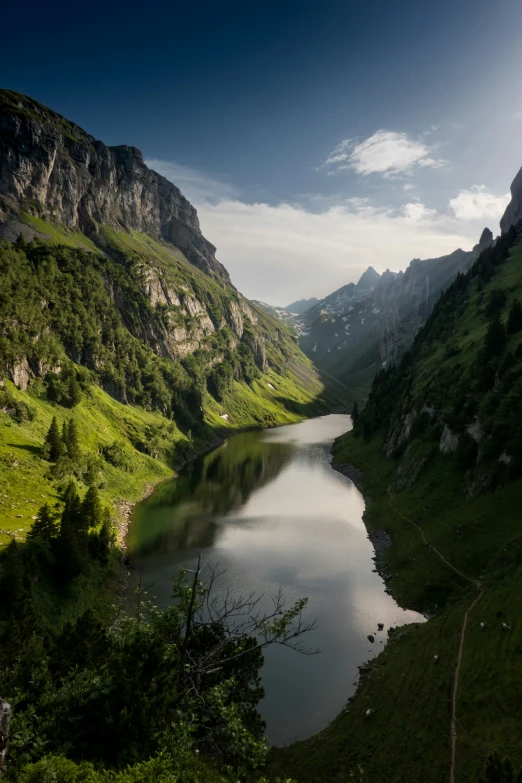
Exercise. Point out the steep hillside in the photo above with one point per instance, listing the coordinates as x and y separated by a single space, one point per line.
109 288
438 452
363 327
52 168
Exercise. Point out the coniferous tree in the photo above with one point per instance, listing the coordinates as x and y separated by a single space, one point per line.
44 525
495 339
100 543
12 587
71 441
53 448
91 510
514 322
355 413
72 541
74 391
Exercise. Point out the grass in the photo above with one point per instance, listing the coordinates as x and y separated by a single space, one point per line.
57 234
407 736
26 481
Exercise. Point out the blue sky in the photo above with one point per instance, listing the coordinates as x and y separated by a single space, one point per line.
314 138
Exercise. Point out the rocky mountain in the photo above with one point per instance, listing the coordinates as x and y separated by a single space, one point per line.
54 169
136 288
301 306
513 213
280 313
364 326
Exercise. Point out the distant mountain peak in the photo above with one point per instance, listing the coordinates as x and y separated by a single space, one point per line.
301 306
368 280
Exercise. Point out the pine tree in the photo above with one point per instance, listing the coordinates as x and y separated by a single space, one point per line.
53 442
72 541
514 322
100 543
74 391
72 442
106 532
495 339
44 525
91 510
355 413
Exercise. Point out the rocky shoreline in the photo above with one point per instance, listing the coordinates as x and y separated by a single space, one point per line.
380 539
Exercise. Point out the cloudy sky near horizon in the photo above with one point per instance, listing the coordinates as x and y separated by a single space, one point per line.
314 139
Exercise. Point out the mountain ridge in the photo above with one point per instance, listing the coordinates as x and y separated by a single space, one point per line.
58 171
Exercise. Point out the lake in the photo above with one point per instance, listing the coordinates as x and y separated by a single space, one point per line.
269 508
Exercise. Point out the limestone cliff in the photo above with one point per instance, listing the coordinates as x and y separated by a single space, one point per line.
53 169
513 213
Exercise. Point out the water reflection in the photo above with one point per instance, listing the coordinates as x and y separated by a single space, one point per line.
271 510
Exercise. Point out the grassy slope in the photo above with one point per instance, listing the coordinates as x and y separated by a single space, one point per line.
25 483
407 738
275 398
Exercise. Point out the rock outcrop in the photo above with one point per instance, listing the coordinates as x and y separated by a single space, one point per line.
53 169
513 213
371 323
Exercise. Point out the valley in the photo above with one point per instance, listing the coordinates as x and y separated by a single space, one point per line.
154 423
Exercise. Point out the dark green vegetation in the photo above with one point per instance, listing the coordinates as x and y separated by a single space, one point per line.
124 350
103 409
142 698
80 334
439 447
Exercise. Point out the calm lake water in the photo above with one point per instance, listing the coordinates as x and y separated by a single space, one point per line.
268 507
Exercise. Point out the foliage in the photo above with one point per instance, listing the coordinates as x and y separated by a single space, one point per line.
465 367
498 770
20 410
161 682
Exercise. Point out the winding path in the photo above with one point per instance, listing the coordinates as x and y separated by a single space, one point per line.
476 582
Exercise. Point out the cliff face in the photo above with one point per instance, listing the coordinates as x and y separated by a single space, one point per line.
513 213
360 328
54 169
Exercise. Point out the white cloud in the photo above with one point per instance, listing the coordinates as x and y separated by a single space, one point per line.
408 186
285 252
385 152
193 184
416 210
279 253
478 203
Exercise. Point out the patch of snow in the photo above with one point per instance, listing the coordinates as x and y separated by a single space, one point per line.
223 416
333 320
328 350
336 334
270 386
315 347
345 317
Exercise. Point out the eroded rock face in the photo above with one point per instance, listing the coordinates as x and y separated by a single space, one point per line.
513 212
448 440
50 163
5 719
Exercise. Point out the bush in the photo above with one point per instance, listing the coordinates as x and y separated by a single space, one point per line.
19 410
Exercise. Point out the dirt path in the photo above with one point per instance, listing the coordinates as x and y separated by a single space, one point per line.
476 582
